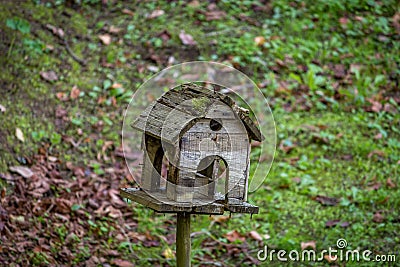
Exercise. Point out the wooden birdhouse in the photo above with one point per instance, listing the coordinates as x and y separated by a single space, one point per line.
205 138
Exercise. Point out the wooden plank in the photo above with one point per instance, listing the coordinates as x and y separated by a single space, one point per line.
163 205
160 203
242 208
156 125
181 101
151 164
252 129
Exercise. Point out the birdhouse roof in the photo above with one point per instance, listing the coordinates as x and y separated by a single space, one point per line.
179 108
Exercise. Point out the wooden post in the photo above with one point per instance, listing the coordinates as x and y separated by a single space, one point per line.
183 245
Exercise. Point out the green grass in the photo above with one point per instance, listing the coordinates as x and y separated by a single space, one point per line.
322 65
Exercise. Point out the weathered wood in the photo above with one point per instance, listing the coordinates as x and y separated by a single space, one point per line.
181 100
162 121
192 123
241 208
160 203
151 173
252 129
183 246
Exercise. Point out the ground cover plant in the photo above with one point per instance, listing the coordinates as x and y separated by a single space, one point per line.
330 70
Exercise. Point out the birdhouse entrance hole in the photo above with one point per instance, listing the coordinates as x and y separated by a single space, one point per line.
215 125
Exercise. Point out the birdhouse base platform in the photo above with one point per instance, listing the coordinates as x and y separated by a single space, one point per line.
159 202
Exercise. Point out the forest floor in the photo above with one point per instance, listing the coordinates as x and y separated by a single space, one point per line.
329 69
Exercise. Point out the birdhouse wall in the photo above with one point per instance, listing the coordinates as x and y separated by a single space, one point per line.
231 143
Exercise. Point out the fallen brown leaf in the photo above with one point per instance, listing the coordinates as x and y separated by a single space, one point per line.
49 76
286 146
378 136
345 224
215 15
220 219
156 13
389 108
113 212
390 183
234 235
358 18
137 236
332 223
23 171
330 258
52 159
308 244
116 199
379 153
375 106
56 31
186 39
339 71
194 3
122 263
396 22
63 205
19 134
165 36
105 38
114 29
128 12
2 108
116 85
327 201
317 138
343 20
255 235
374 186
378 217
75 92
62 96
61 112
347 157
49 47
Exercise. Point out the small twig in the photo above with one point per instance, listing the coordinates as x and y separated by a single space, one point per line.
248 256
60 34
50 208
8 232
72 54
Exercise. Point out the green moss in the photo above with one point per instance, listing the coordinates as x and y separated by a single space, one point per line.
79 24
200 104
